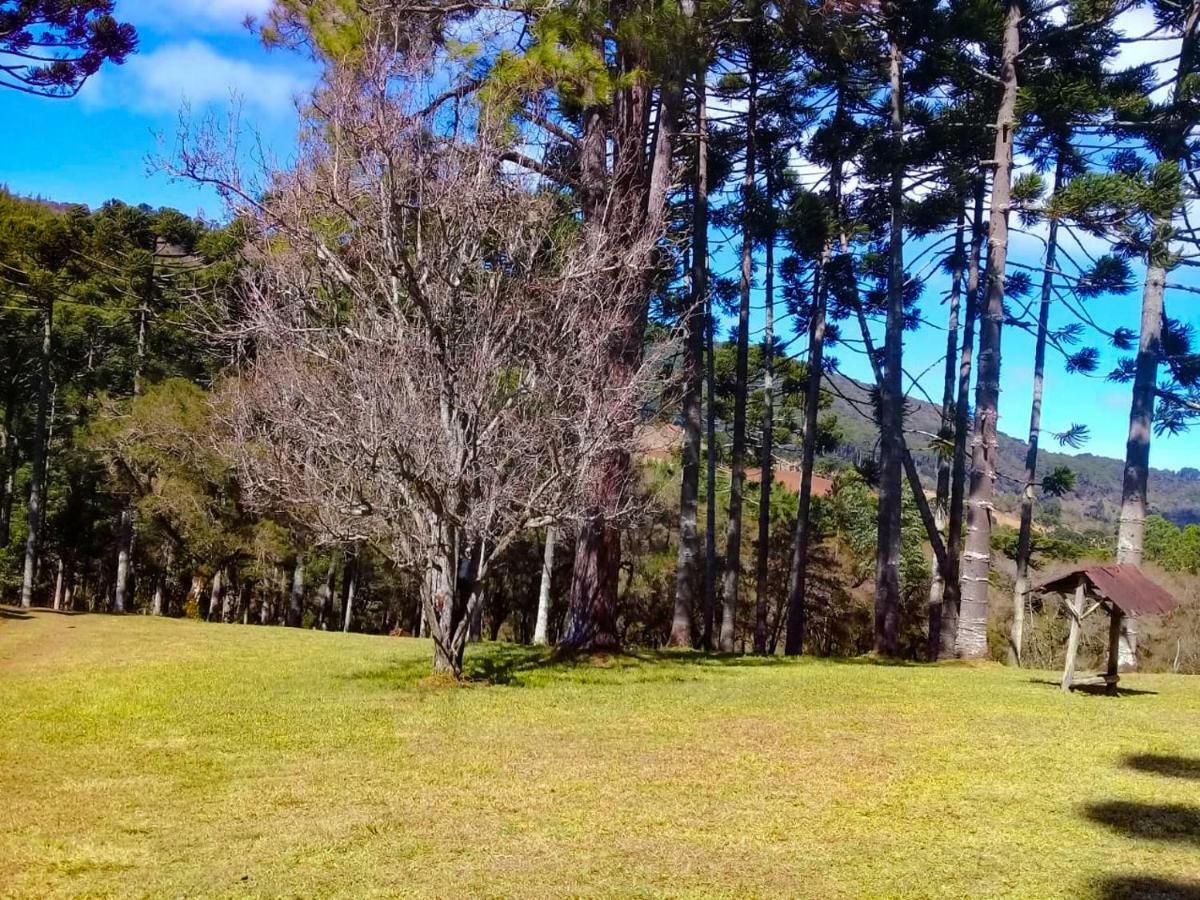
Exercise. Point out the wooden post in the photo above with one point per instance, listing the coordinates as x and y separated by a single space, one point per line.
1114 650
1073 640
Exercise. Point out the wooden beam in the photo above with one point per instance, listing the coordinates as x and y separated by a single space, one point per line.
1073 639
1114 649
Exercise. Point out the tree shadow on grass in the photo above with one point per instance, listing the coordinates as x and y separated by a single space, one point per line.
12 612
1165 764
1096 690
1169 822
1145 887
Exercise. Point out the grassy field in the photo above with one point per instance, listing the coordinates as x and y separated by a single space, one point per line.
143 757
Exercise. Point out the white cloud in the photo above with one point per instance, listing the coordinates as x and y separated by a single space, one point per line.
193 73
191 15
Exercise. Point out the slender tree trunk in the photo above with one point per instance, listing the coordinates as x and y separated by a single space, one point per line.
689 491
295 610
325 609
58 585
215 595
1025 535
710 479
124 547
541 634
952 589
891 394
156 605
1137 446
737 480
765 460
350 588
8 481
937 581
793 644
1135 482
37 482
231 599
973 618
195 593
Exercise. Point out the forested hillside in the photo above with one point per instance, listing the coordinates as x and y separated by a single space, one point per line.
1092 503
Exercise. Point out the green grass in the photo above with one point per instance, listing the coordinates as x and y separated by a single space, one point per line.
143 757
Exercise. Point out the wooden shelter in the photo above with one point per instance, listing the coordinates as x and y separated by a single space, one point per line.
1119 590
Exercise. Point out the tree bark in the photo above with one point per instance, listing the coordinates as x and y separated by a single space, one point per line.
973 619
350 589
689 491
947 634
216 595
1135 481
1016 636
737 462
765 461
793 644
295 609
541 635
937 581
326 593
891 392
37 482
58 585
124 547
710 480
10 461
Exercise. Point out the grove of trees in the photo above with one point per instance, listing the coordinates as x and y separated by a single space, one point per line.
408 384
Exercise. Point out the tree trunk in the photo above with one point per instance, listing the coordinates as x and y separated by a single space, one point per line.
58 585
325 594
793 644
937 582
891 393
737 479
635 206
37 481
973 618
947 634
1025 535
10 461
765 461
710 480
1141 411
231 600
689 491
124 547
156 605
541 635
295 609
216 595
349 589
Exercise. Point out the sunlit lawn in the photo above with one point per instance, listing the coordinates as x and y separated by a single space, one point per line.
143 757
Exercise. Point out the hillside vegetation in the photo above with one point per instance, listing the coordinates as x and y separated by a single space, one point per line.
1093 503
154 757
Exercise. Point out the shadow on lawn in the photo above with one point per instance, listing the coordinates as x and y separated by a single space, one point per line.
1095 690
1145 887
1165 764
13 612
1170 822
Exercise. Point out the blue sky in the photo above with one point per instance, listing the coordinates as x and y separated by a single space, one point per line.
195 55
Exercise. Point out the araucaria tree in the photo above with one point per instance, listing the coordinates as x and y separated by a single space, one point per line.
426 333
50 47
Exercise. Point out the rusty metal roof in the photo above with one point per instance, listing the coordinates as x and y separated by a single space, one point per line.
1125 586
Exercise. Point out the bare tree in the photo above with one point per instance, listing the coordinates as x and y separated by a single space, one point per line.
426 333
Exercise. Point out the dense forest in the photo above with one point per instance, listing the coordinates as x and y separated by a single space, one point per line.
404 384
